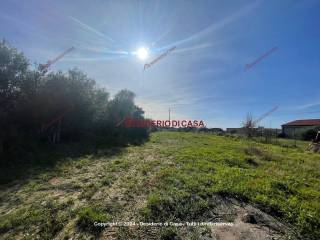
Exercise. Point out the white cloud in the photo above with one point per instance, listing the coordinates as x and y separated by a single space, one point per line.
309 105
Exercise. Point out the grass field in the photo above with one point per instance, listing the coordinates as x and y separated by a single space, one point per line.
174 177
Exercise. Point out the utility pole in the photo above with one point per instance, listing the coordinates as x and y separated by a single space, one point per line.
169 114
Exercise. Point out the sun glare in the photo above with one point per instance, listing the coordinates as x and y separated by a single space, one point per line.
142 53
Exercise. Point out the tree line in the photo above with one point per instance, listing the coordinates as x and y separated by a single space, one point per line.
59 107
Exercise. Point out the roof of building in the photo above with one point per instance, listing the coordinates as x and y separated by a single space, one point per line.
304 122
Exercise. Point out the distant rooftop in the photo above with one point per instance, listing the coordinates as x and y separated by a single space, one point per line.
304 122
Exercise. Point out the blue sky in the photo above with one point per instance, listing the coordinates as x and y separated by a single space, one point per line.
204 78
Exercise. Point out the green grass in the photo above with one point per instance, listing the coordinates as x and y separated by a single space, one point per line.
173 177
88 215
47 220
284 182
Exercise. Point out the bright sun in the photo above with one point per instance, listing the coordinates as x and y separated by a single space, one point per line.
142 53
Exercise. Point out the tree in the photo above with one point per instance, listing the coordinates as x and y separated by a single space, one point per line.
13 69
58 106
248 125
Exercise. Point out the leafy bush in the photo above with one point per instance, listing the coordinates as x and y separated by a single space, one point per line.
310 134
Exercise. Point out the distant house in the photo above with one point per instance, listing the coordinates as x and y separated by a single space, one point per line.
211 130
235 130
295 128
216 130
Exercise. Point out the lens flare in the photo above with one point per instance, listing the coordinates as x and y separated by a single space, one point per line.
142 53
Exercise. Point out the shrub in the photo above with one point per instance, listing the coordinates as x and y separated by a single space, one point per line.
310 134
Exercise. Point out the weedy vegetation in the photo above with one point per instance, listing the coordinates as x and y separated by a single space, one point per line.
173 177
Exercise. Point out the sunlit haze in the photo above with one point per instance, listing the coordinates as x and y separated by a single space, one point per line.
142 53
